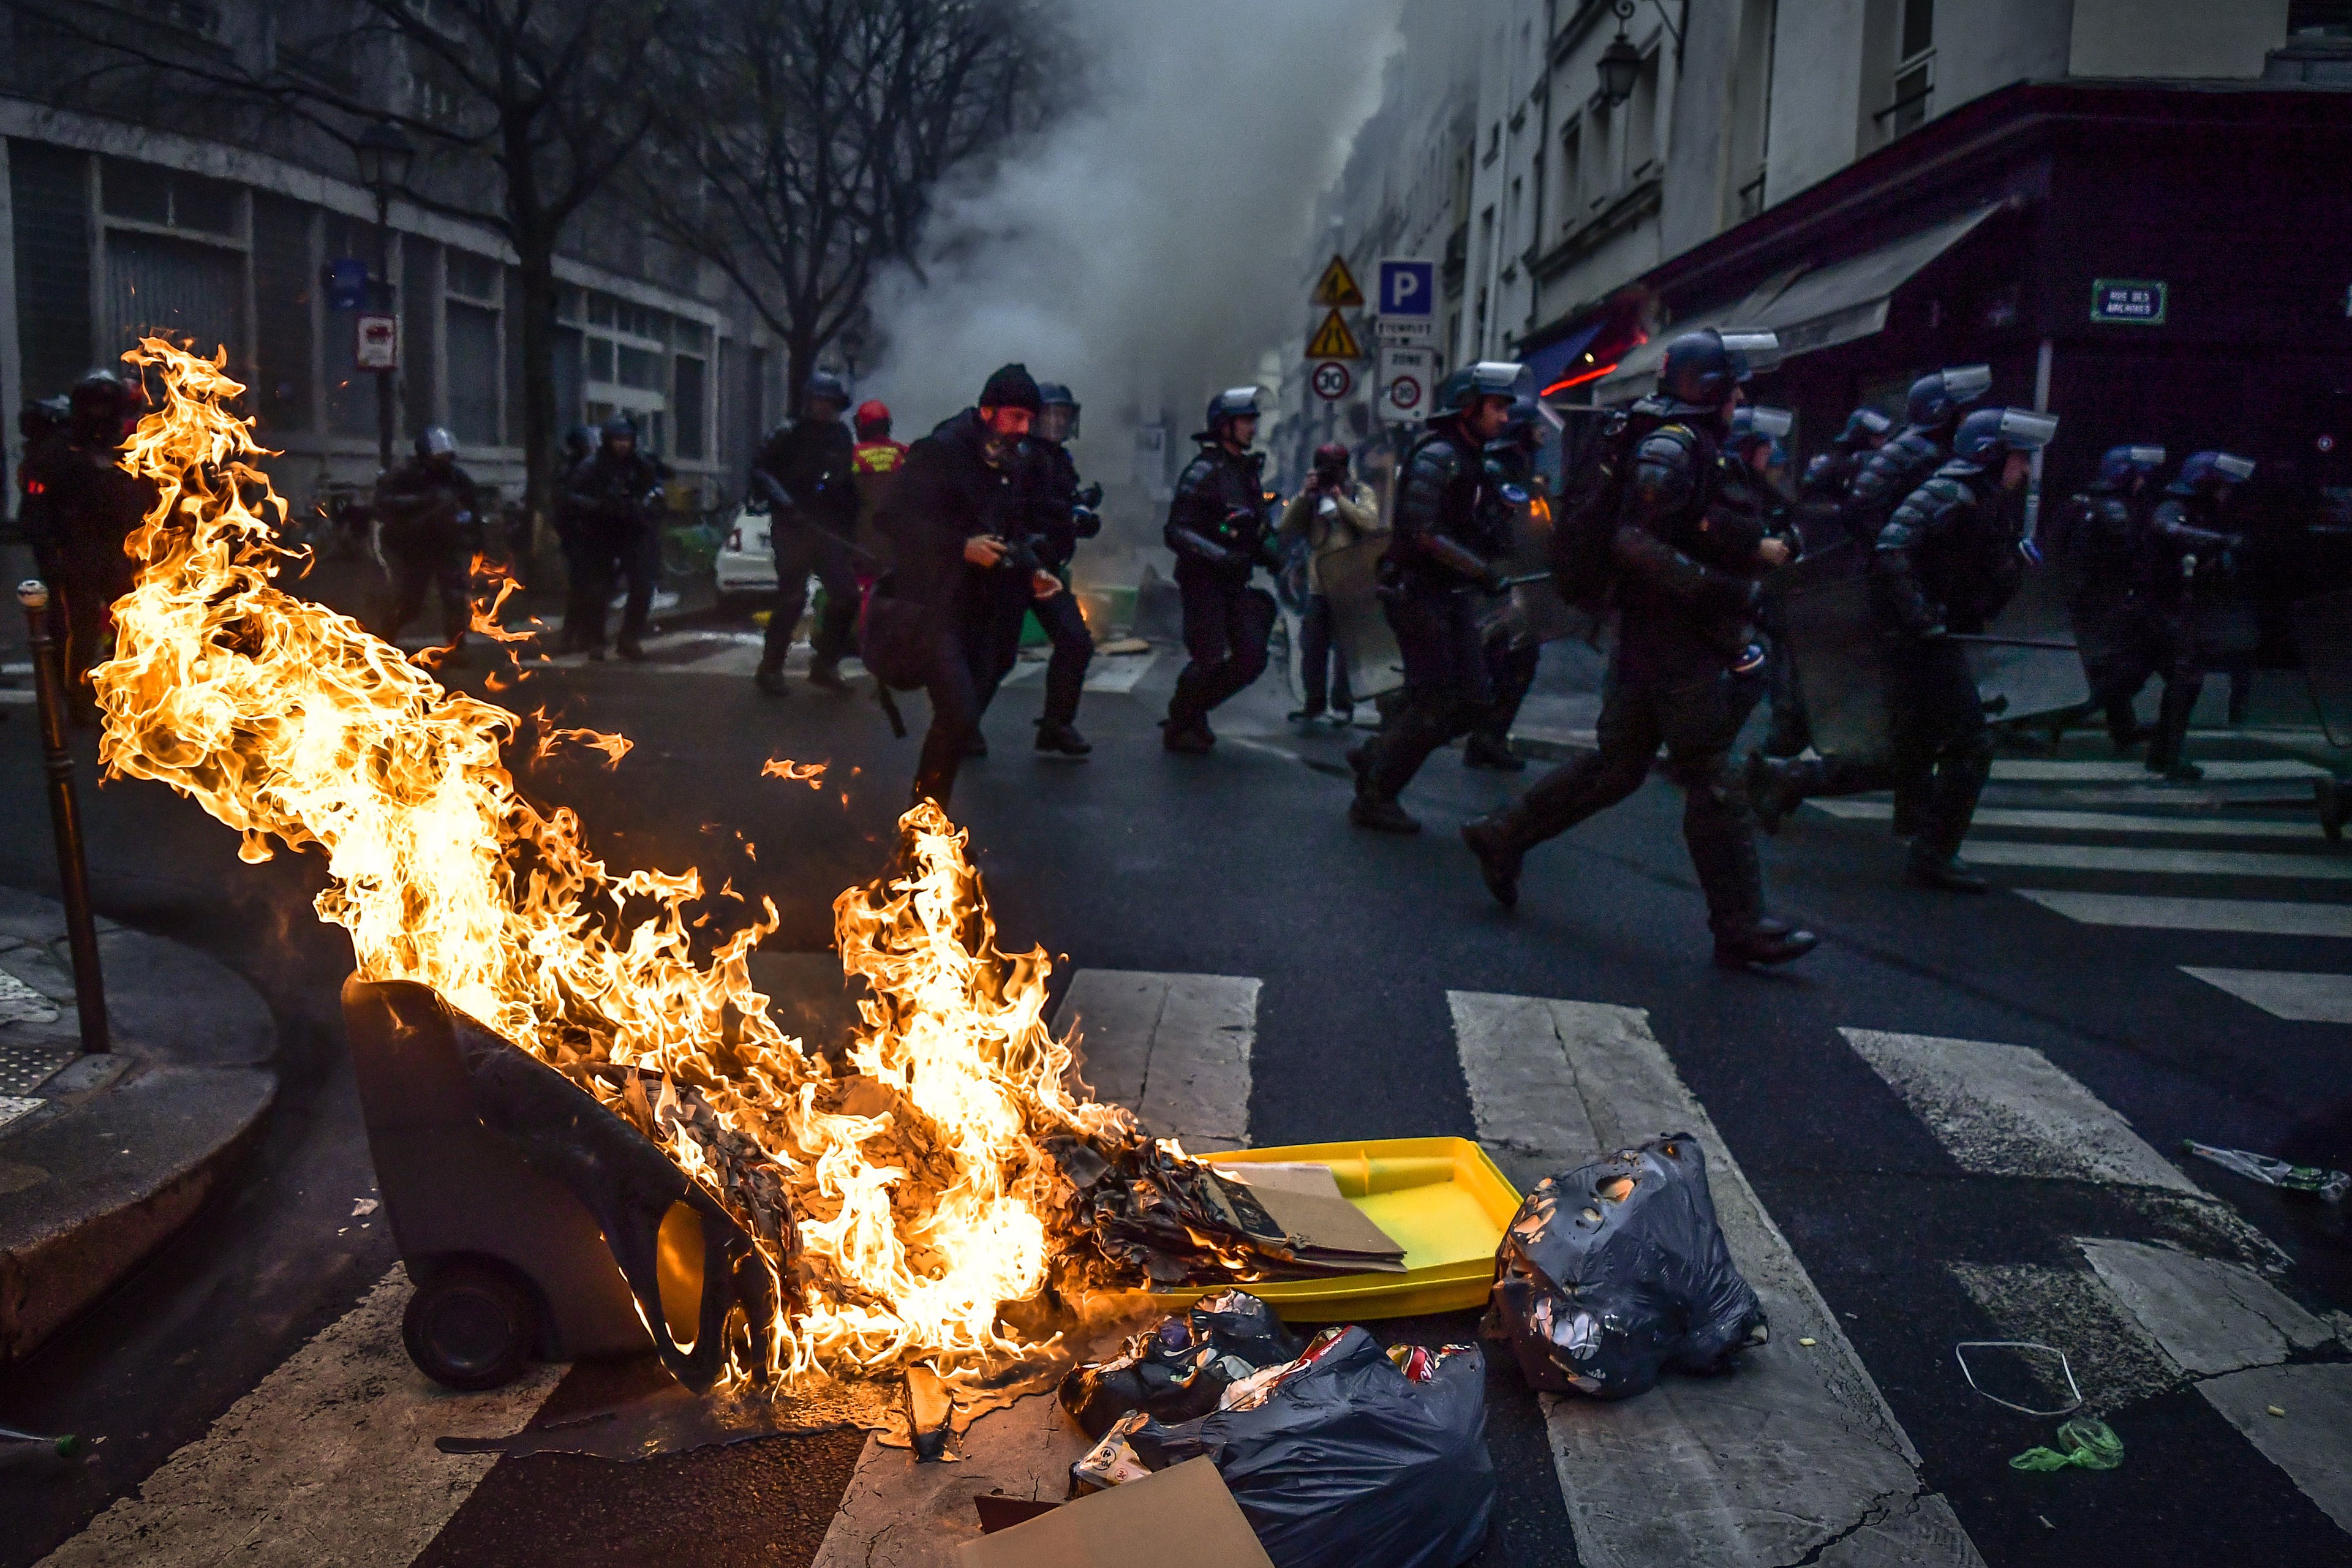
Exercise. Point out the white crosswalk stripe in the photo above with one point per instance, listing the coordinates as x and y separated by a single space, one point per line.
1116 676
2161 862
1795 1455
1175 1048
2296 997
329 1460
2093 822
2038 769
2255 917
2137 1319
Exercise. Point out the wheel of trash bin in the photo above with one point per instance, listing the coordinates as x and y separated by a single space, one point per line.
469 1327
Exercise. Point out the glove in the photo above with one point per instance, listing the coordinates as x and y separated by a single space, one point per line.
1084 521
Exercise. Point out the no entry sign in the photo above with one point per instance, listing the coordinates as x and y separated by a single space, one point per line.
1332 380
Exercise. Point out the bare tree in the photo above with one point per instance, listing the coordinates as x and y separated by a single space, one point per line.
525 111
800 141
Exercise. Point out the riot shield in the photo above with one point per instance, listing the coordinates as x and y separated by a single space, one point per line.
2024 683
1358 625
1821 605
2323 636
1535 611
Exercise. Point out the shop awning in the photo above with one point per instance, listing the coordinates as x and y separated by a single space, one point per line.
1817 308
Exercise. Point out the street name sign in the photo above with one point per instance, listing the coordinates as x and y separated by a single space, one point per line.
1332 339
1337 287
1404 383
2137 301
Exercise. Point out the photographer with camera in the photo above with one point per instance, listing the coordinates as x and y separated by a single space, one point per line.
1332 512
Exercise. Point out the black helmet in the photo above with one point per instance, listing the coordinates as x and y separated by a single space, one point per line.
1233 403
1991 431
1935 399
1464 387
102 402
434 441
2216 470
580 440
41 417
1531 425
827 385
620 426
1011 386
1752 424
1862 424
2122 463
1053 394
1702 367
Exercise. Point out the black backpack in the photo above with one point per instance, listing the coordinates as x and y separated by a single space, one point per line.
895 638
1592 495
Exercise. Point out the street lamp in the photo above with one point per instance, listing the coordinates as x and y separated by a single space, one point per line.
1621 62
384 157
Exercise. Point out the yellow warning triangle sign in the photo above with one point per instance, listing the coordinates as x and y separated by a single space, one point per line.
1337 287
1332 339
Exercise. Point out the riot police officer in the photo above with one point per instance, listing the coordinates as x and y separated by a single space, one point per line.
1947 562
1514 648
952 521
1218 527
616 497
425 516
1439 574
2105 544
1687 669
80 509
807 472
1831 473
2191 558
1934 409
1059 515
579 444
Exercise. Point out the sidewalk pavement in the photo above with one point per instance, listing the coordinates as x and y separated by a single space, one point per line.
102 1157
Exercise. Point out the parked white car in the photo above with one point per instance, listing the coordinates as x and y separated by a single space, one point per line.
746 564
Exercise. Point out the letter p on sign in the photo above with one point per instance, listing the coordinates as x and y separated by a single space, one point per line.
1408 287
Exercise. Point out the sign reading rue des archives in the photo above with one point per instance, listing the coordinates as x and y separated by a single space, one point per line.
2137 301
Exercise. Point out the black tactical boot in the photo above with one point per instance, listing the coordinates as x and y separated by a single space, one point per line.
1760 942
1928 867
1381 814
1063 739
826 674
1483 751
1189 737
631 650
771 682
1498 857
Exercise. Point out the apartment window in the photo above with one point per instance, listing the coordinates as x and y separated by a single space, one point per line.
1571 169
1598 179
1642 121
1751 106
1511 222
473 276
1915 70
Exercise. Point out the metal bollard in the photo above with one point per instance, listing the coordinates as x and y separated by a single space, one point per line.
65 817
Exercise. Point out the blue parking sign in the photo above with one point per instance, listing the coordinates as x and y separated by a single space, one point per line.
1408 287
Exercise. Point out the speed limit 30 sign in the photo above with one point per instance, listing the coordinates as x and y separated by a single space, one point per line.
1332 380
1404 383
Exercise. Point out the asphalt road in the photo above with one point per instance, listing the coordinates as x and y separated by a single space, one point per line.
1926 1210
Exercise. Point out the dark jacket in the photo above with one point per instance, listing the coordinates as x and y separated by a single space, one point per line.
811 462
420 496
949 493
1049 504
1949 558
2105 537
2186 551
1888 476
1216 522
79 508
614 495
1687 591
1438 527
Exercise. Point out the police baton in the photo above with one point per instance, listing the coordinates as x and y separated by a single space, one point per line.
1983 640
1523 580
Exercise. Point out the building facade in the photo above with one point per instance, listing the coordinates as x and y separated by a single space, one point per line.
118 225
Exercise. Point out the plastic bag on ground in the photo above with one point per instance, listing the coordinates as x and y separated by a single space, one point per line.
1350 1457
1616 1269
1182 1368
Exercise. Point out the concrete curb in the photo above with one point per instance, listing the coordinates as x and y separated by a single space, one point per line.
114 1152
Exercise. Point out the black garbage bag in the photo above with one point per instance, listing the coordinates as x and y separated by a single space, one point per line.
1344 1459
1182 1368
1615 1269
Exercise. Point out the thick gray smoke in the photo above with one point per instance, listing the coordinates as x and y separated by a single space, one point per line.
1149 243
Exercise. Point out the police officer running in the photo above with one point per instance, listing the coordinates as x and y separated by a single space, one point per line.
1884 478
614 500
1948 560
1687 669
1217 527
806 470
951 521
2105 544
427 509
1831 473
1514 652
80 509
1440 572
2191 559
1059 515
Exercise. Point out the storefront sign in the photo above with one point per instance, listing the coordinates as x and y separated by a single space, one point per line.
2137 301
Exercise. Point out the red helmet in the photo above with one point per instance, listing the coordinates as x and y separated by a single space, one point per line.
873 417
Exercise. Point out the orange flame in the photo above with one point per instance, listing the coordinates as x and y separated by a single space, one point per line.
926 1200
809 773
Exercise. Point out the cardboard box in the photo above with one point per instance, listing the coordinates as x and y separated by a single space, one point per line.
1182 1518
